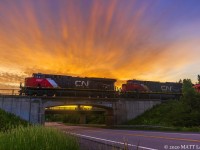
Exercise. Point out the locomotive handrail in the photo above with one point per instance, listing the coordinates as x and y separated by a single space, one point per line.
11 89
78 89
153 92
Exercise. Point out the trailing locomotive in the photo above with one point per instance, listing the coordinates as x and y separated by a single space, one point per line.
151 89
60 85
152 86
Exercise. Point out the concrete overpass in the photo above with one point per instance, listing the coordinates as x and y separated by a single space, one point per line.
118 110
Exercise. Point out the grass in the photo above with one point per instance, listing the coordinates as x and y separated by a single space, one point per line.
159 115
37 138
17 134
9 121
168 116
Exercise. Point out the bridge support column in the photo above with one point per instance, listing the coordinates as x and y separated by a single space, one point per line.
82 119
109 118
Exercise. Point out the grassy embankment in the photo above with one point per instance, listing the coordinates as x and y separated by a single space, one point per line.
16 134
177 115
169 116
9 121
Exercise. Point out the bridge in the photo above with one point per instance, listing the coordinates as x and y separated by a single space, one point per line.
116 110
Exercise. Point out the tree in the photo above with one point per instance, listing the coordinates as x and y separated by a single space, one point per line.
188 89
190 97
180 81
198 77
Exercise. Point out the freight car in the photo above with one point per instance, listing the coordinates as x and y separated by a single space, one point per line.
60 85
151 89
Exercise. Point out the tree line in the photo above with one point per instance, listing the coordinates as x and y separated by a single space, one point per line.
198 79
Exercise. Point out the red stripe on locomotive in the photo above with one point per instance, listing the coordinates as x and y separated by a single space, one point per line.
37 82
133 87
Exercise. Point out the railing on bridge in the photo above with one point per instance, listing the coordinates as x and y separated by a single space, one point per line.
13 91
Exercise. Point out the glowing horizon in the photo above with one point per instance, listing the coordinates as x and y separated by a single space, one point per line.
132 39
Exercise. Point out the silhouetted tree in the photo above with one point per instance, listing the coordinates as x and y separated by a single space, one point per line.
190 96
180 81
198 77
188 89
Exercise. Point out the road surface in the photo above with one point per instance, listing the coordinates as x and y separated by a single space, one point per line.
147 140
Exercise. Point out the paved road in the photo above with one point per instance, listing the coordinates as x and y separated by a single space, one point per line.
147 140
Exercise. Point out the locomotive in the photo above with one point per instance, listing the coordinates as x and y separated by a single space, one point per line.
151 89
152 86
60 85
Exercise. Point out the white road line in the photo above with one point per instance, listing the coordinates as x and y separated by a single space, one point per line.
91 137
197 134
133 131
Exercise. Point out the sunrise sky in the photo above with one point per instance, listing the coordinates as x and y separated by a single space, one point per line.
123 39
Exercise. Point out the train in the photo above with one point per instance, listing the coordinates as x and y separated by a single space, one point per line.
61 85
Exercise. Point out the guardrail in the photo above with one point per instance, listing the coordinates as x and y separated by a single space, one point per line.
9 91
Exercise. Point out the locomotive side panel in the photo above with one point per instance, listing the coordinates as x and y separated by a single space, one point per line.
78 82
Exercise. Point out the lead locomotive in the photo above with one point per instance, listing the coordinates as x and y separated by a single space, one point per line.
60 85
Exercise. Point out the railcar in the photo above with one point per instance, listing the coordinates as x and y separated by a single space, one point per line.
60 85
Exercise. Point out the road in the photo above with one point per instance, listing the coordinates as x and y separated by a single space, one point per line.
147 140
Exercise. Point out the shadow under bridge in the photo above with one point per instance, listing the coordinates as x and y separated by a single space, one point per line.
83 106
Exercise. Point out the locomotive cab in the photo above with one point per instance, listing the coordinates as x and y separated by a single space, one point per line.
39 82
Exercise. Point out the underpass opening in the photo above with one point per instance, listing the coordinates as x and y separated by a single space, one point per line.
79 114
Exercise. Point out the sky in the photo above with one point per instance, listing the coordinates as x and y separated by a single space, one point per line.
156 40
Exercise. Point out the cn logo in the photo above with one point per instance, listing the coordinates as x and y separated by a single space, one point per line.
166 88
81 83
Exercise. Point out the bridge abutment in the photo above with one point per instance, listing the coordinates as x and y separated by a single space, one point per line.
29 109
109 118
127 109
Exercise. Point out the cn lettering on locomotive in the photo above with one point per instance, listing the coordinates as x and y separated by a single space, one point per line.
82 83
165 88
